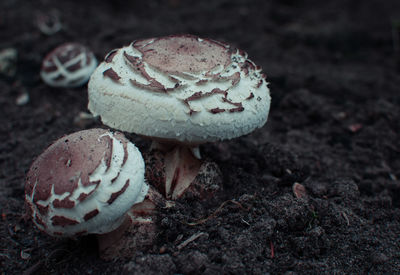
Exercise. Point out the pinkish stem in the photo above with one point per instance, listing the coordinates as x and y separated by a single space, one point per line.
182 164
120 242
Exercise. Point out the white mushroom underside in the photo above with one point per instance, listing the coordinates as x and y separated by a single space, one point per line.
127 107
109 216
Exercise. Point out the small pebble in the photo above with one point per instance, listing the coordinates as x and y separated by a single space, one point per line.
299 190
22 99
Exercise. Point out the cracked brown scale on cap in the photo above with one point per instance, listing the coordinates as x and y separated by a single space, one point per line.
66 161
200 95
112 74
124 142
116 177
65 203
83 196
238 104
237 109
110 56
62 221
115 195
183 53
138 65
217 110
109 151
91 214
202 82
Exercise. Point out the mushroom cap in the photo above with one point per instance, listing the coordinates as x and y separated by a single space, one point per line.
85 183
68 65
181 88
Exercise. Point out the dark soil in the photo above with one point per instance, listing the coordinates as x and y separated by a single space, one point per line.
333 127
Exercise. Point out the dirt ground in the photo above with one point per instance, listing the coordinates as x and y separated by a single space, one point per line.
333 128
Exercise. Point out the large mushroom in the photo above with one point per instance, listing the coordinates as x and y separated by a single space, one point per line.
180 91
89 182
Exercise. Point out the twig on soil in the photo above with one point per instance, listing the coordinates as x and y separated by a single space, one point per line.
201 221
346 218
191 239
271 244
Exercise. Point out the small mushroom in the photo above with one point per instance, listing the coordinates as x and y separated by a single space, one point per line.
88 182
49 23
69 65
180 91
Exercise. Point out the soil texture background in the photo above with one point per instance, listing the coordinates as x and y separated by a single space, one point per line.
333 128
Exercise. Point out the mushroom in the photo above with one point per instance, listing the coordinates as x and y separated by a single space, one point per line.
88 182
69 65
181 91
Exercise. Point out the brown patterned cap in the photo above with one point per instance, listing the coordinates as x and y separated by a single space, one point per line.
181 88
68 65
84 183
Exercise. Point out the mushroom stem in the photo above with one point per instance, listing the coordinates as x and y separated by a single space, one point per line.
109 239
133 235
125 238
181 163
